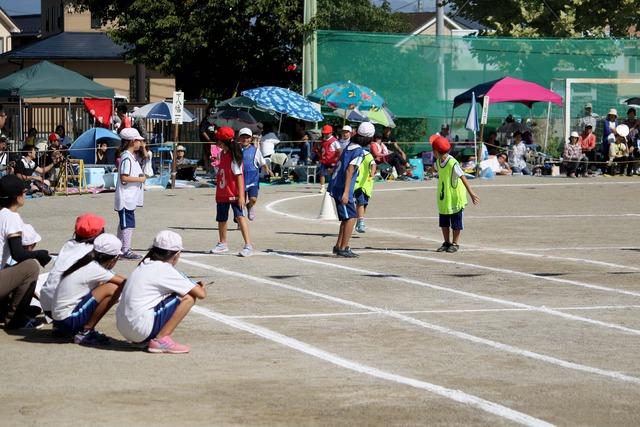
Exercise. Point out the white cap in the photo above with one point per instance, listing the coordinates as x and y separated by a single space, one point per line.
131 134
588 105
574 134
245 131
347 128
613 112
366 129
168 240
180 148
107 244
622 130
29 235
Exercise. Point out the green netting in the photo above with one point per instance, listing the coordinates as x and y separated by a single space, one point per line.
405 70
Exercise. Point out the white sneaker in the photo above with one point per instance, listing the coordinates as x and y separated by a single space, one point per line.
220 248
246 251
322 189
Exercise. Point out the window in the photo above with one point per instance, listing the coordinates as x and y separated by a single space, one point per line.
96 22
1 44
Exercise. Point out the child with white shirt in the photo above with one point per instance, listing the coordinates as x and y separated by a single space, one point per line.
88 290
157 297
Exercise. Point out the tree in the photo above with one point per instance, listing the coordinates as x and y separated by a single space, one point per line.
552 18
217 48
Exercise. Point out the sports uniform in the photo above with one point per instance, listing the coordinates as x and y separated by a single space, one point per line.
352 155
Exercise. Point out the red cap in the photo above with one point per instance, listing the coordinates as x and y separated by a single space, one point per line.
89 225
225 133
326 129
54 137
441 144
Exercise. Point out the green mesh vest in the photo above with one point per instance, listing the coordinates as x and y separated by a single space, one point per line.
452 194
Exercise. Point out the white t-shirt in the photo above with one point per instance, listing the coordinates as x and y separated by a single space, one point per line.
129 195
71 252
10 223
457 170
343 143
150 283
75 286
268 144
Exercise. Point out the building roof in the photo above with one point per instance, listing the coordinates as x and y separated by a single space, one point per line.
87 46
420 21
7 22
29 25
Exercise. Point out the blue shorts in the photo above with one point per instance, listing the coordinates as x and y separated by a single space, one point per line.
127 219
347 211
453 221
162 313
326 171
361 198
222 211
79 317
252 191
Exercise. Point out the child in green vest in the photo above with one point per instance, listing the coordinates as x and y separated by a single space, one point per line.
451 196
364 188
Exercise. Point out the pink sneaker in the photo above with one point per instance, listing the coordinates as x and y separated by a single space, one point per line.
166 345
251 213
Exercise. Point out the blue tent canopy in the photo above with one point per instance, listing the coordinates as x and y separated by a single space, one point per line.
84 147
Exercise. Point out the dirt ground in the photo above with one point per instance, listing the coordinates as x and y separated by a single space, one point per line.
535 320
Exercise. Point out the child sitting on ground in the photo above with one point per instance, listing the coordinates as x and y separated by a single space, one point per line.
157 297
87 290
451 196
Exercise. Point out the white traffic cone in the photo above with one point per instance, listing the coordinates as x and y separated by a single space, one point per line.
328 209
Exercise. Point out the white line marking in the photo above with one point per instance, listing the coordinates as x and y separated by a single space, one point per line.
455 395
477 310
441 329
517 273
500 301
545 217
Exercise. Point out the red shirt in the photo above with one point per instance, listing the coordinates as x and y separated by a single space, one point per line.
587 143
226 183
330 154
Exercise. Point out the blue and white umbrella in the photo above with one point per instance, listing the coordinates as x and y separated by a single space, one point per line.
162 111
284 101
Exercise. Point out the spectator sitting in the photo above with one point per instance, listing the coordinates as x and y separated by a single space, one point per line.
505 169
633 123
572 155
186 169
32 137
63 139
101 154
518 155
618 151
31 174
588 146
498 165
268 142
5 163
382 154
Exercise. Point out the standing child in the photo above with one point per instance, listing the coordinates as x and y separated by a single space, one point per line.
452 197
252 161
129 189
88 290
157 297
230 192
342 187
88 227
364 188
329 154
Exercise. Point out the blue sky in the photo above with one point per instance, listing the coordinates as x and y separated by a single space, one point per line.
25 7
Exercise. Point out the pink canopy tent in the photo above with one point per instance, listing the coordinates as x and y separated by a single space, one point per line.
509 89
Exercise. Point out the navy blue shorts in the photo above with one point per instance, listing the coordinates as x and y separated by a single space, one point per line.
162 313
361 198
222 211
326 171
453 221
252 191
347 211
79 317
127 219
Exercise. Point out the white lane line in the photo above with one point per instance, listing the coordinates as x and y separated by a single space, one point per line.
477 310
544 216
516 185
541 309
271 208
441 329
455 395
517 273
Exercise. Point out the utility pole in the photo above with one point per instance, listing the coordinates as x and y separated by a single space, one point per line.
309 50
440 36
419 8
439 18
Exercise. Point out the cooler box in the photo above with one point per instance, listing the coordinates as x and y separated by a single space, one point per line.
94 177
417 168
110 179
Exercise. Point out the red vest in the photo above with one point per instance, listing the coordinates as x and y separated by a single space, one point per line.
329 155
226 183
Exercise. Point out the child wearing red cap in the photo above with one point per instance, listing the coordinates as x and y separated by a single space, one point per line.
329 154
451 196
230 192
88 227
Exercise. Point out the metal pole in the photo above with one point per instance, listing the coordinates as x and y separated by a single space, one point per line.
175 156
440 34
309 49
20 115
439 18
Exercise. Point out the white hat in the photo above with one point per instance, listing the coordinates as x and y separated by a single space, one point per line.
131 134
588 105
107 244
347 128
622 130
29 235
613 111
444 126
245 131
366 129
168 240
575 134
180 148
